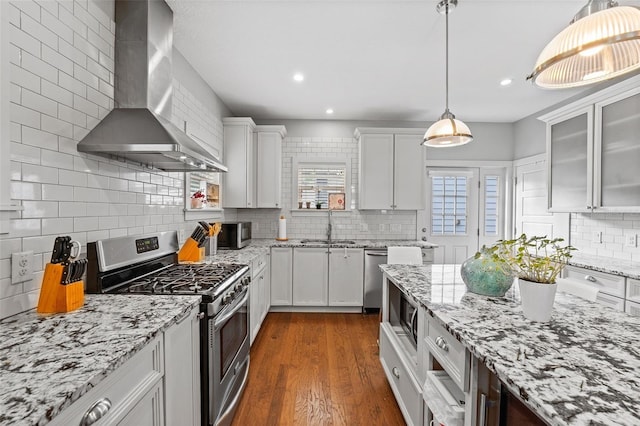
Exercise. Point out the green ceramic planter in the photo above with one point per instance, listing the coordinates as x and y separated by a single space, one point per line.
483 275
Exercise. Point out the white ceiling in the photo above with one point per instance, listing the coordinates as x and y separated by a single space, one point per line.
371 59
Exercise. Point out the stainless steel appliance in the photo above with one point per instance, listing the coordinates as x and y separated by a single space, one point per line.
234 235
140 127
373 278
497 406
148 265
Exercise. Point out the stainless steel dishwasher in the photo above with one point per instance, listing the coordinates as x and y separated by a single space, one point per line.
373 278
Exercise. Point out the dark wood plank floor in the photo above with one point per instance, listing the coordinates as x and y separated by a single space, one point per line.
317 369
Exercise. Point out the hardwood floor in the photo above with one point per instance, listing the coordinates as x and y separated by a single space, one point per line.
317 369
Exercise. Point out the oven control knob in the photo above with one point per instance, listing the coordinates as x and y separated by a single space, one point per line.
246 281
238 287
227 298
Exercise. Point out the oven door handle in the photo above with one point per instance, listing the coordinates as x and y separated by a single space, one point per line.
219 322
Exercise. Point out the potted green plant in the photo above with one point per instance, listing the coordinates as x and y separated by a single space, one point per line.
318 205
537 262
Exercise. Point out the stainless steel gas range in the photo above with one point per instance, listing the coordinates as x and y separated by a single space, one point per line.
148 265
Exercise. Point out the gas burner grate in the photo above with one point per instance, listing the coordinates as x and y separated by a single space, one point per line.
185 279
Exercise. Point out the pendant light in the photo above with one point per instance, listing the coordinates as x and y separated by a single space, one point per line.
601 42
448 131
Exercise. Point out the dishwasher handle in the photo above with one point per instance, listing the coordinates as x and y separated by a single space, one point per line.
377 254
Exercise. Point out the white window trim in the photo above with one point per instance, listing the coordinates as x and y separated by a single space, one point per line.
297 162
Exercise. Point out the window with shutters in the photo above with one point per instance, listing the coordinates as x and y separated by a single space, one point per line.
491 204
208 184
449 205
314 181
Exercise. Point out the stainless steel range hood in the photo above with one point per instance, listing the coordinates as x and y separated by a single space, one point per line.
139 128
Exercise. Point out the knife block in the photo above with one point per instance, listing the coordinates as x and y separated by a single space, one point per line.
56 297
190 252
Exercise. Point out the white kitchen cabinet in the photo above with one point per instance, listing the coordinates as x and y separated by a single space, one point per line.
310 276
392 169
259 296
133 392
182 371
592 152
269 165
346 276
239 156
281 276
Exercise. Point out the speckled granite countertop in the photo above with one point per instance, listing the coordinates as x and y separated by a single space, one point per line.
581 368
609 265
48 362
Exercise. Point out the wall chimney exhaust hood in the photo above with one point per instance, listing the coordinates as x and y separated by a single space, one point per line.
138 129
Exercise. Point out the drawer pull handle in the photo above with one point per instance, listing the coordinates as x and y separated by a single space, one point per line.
201 315
442 344
396 372
96 412
590 278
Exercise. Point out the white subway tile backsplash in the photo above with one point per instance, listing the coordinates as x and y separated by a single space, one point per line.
39 103
49 8
57 93
108 222
96 40
81 74
35 173
79 89
57 60
83 15
58 225
25 190
82 164
72 209
81 224
35 137
25 227
24 153
56 159
72 178
57 126
57 192
67 17
21 115
91 195
73 116
98 98
37 30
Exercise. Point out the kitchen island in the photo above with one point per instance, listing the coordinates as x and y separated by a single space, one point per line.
581 368
48 362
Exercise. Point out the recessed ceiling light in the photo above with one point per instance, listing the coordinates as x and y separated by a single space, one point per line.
506 82
329 111
298 77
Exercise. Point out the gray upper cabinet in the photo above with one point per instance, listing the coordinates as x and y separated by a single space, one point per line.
593 151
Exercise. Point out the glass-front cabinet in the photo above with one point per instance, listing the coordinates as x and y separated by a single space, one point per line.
570 159
593 152
618 145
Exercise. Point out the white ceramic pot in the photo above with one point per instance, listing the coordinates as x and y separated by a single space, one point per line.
537 299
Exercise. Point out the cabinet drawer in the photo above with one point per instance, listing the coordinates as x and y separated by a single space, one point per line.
607 283
632 308
449 352
258 264
427 255
616 303
633 290
124 388
405 387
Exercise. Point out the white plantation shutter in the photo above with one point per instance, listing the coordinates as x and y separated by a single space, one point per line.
317 182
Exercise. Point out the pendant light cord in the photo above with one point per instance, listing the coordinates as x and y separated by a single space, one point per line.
446 26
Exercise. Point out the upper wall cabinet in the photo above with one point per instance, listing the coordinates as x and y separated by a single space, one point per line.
593 149
392 169
239 156
269 165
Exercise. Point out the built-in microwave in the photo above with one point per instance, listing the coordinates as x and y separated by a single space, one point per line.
234 235
403 315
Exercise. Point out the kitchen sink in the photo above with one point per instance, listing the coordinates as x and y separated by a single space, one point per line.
327 241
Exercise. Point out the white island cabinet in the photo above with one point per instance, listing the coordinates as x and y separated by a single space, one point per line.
162 379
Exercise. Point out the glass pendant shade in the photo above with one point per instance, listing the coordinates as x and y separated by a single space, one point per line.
446 132
597 47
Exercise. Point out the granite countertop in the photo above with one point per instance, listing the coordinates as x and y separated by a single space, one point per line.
609 265
581 368
49 361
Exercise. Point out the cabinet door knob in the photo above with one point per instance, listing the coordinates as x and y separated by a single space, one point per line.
442 344
96 412
590 278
